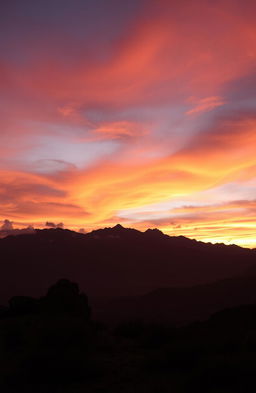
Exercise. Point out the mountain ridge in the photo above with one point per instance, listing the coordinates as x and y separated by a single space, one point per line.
114 261
120 230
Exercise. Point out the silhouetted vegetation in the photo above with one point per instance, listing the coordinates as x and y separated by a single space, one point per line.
46 340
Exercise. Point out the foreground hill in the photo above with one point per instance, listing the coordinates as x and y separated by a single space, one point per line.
114 261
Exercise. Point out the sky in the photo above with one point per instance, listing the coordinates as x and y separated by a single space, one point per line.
137 112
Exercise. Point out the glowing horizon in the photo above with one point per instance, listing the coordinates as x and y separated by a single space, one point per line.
141 114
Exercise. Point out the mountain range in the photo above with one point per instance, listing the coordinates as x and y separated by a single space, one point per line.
122 262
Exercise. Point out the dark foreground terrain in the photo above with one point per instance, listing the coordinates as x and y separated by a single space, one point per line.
53 344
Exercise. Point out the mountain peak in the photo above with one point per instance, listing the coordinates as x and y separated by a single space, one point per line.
118 226
154 232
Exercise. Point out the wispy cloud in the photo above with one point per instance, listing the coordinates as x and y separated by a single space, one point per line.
204 104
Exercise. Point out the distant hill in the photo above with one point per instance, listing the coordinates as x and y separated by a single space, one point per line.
178 306
114 261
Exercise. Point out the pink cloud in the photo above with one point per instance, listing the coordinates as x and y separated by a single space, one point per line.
205 104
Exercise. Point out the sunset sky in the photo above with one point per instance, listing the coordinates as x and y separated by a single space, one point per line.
138 112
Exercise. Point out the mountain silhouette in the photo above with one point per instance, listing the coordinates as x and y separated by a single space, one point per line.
114 261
